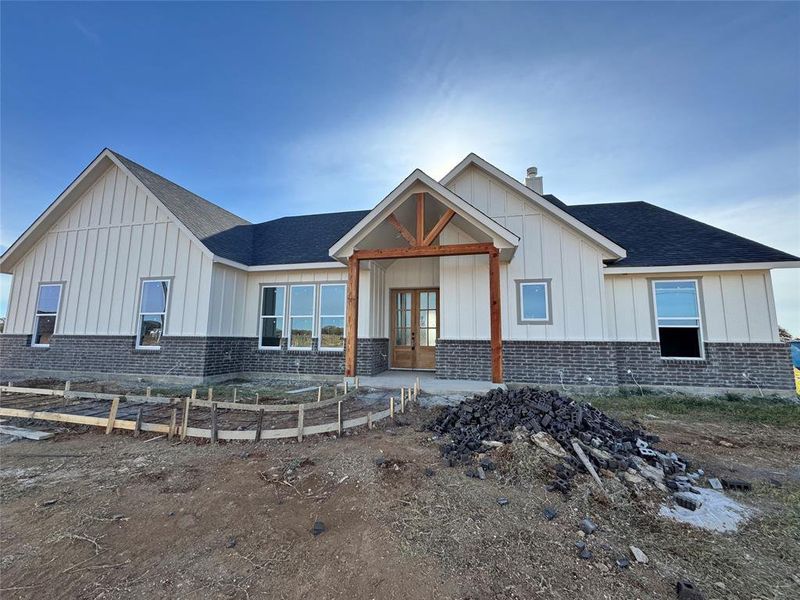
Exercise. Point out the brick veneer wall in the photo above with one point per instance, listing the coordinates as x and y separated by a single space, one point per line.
607 363
182 356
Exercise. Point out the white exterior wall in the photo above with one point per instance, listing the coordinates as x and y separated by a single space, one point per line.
114 235
548 249
235 297
737 306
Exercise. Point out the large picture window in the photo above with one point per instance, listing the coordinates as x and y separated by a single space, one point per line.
152 313
533 301
44 322
301 316
331 316
677 308
273 304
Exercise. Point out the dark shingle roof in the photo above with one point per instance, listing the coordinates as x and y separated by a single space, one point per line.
652 236
204 219
656 237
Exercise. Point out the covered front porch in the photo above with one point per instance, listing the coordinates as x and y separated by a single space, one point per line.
429 227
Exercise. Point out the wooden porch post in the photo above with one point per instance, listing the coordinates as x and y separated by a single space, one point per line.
494 316
351 332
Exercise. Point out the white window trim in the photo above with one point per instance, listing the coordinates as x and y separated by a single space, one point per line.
37 314
319 317
140 314
261 316
312 315
699 325
520 297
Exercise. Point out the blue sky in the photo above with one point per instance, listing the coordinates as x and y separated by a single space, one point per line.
277 109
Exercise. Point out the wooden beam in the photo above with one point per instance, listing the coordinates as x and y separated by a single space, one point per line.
351 332
440 225
395 222
448 250
420 218
494 317
112 415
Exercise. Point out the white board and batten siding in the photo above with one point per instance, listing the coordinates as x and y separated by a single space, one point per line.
114 235
737 306
548 249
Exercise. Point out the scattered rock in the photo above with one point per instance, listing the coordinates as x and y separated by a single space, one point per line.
622 562
380 461
686 591
48 502
118 517
547 442
429 472
549 513
231 542
481 473
585 554
639 556
318 528
725 444
603 567
502 500
587 526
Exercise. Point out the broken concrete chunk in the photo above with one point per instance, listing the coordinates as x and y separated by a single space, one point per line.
318 528
638 555
549 513
587 526
715 483
686 591
738 485
481 473
688 500
547 442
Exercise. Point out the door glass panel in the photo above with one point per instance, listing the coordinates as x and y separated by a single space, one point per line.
427 319
403 319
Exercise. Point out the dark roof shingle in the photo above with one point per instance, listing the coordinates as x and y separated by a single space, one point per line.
656 237
652 236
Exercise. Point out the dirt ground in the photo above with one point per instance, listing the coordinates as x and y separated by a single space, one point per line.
86 515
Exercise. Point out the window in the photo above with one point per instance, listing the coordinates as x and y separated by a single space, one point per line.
152 313
273 304
533 301
678 319
301 316
331 316
44 323
428 308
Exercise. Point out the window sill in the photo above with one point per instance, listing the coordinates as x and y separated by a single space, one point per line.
269 348
679 359
331 350
147 349
40 346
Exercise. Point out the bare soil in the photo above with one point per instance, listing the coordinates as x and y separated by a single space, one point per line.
86 515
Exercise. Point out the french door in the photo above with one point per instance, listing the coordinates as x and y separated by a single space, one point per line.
415 328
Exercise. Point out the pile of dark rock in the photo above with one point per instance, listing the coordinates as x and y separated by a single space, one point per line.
555 422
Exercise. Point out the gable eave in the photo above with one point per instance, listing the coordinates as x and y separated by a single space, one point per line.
612 249
344 245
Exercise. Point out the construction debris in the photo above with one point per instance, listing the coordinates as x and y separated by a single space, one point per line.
686 591
30 434
583 437
638 555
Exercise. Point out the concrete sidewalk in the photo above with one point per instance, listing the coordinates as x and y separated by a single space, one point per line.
427 382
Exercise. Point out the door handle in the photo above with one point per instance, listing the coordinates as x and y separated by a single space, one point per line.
413 340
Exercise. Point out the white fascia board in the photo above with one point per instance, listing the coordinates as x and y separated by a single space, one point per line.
616 250
283 267
755 266
377 215
7 259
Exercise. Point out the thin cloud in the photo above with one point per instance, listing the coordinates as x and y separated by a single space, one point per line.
86 32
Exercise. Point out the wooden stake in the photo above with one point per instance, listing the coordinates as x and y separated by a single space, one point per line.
356 381
112 415
345 386
339 416
588 465
259 424
319 394
300 414
234 394
213 422
391 408
403 402
147 391
369 420
66 387
172 422
210 394
138 427
256 397
194 394
185 423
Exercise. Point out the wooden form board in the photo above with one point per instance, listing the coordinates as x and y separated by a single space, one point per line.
110 422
